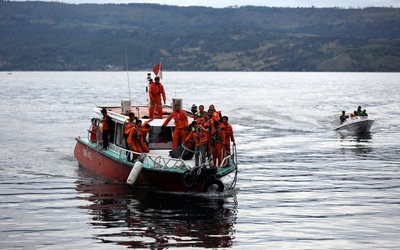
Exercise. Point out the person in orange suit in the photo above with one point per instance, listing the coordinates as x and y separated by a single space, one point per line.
181 122
145 130
136 141
156 91
208 124
228 134
218 142
216 115
200 138
128 124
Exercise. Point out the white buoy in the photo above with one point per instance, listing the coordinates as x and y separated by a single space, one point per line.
133 175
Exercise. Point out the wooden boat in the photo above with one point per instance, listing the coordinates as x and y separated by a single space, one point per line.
156 169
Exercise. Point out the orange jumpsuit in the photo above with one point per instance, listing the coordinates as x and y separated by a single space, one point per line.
145 131
135 141
218 143
155 92
128 125
228 136
181 121
200 139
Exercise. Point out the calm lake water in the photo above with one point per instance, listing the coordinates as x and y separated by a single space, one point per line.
301 185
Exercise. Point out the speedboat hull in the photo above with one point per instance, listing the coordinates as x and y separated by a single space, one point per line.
359 126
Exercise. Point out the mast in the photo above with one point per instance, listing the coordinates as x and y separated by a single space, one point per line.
127 74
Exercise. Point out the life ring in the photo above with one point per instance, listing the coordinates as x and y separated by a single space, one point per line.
211 182
189 179
152 136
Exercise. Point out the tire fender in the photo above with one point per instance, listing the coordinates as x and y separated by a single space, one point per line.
211 182
189 179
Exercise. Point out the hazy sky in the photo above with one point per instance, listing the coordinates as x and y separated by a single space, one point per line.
271 3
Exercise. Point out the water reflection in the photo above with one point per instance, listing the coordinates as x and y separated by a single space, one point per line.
360 144
140 218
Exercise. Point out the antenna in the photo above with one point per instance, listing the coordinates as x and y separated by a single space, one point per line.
127 74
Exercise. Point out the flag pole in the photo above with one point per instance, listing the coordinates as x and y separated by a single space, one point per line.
127 74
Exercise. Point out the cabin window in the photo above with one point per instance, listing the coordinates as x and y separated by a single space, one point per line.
118 134
160 138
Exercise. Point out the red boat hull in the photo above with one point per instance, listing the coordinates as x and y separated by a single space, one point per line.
119 169
97 162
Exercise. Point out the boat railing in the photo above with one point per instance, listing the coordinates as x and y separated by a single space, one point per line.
227 159
162 162
165 162
156 161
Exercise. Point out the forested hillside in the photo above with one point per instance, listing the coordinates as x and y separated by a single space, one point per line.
58 36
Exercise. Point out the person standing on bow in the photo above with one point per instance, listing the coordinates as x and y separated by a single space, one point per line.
106 124
228 134
156 91
181 122
93 130
218 143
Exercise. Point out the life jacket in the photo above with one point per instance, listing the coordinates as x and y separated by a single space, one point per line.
106 122
128 125
228 130
217 116
180 118
200 138
200 120
156 90
134 135
93 134
217 137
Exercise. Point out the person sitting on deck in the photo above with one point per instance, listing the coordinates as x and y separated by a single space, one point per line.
343 117
181 122
365 113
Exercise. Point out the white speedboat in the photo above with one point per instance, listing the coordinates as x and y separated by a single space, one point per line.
356 124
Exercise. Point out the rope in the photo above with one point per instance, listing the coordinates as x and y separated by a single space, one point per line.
233 184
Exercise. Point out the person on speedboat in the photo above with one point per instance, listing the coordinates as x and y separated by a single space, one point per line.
343 117
359 111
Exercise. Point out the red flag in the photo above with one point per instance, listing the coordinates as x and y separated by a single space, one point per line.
158 70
